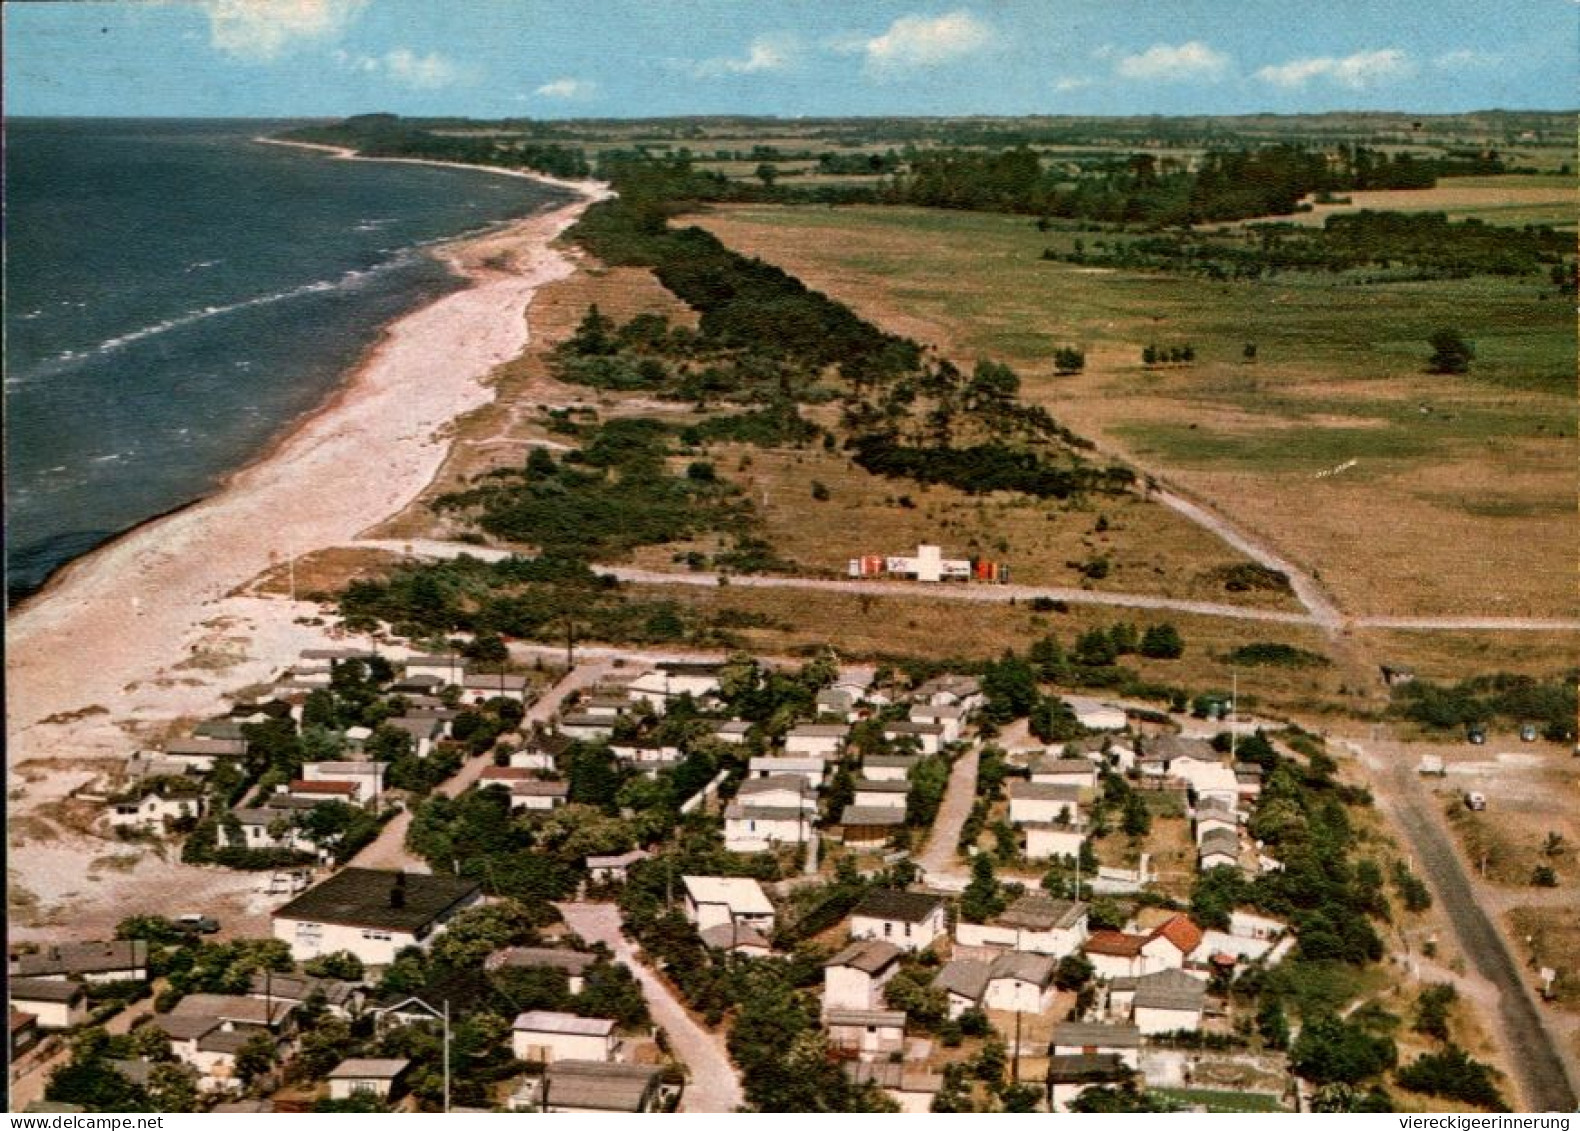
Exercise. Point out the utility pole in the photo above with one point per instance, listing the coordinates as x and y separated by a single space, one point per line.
570 645
1014 1062
447 1056
1234 711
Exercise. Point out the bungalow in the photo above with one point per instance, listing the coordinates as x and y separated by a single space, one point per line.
737 938
368 777
878 794
962 691
119 961
606 705
1219 848
644 753
669 681
1249 777
143 765
545 1036
200 753
1050 841
586 728
785 790
444 716
424 732
910 1085
424 685
262 828
817 740
1073 1038
869 827
1170 747
888 767
812 769
572 963
55 1003
1214 813
581 1087
1116 954
910 920
731 731
1075 773
1071 1074
758 828
206 1031
156 808
341 998
837 704
711 900
447 667
1207 780
346 792
1096 715
868 1033
1168 1001
964 982
24 1032
223 727
854 978
357 738
359 1076
928 737
1020 983
527 790
1030 803
482 686
613 869
1036 923
371 913
951 719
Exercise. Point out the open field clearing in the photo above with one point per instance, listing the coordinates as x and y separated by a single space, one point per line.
1447 656
1460 499
1544 199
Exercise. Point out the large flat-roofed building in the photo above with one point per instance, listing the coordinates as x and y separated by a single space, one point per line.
372 914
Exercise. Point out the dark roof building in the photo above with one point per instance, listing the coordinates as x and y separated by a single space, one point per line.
902 906
378 900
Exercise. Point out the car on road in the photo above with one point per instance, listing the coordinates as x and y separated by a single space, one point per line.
1477 736
1528 732
197 924
1476 801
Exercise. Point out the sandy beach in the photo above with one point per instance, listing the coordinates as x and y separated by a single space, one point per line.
145 633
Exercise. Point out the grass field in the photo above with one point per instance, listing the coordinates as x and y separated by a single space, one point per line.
1461 498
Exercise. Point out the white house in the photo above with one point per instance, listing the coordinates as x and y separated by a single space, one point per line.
731 731
1052 842
669 681
200 753
123 960
448 667
361 1076
881 793
639 753
57 1003
928 564
812 769
910 920
1249 925
1020 983
582 1087
1072 1038
1117 954
1214 814
888 767
572 963
929 737
758 828
1030 803
608 705
816 740
1096 715
586 728
613 869
1207 780
784 790
373 914
1075 773
866 1032
1167 1001
854 978
424 732
1035 923
962 691
951 719
838 704
712 900
527 790
964 982
368 777
1219 848
494 685
737 938
543 1036
154 808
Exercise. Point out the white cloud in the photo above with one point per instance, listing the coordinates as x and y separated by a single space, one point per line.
1456 60
1071 82
1163 62
421 72
567 89
920 41
765 53
1359 71
260 30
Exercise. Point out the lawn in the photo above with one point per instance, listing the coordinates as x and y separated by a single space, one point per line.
1223 1101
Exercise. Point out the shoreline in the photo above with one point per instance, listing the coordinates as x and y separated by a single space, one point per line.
150 629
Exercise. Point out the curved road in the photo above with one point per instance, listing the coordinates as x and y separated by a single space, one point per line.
1533 1055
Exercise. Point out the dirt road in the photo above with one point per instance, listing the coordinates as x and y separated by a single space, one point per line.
1535 1056
938 858
714 1085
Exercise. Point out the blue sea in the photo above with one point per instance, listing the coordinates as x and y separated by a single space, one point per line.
177 294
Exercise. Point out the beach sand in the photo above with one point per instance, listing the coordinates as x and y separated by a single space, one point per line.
145 634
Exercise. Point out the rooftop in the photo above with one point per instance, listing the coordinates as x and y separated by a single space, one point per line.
366 1068
1116 944
1036 911
573 962
1093 1035
1170 989
872 816
599 1086
964 976
547 1021
729 936
365 897
1018 964
45 989
741 895
870 956
903 906
82 958
885 1018
1037 791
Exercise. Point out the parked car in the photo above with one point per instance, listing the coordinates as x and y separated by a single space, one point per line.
1477 736
197 924
1476 801
1528 732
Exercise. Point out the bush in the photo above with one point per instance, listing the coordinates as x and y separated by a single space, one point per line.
1453 1075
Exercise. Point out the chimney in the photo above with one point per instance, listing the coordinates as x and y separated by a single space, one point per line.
398 891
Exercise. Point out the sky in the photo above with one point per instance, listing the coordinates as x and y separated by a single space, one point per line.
792 58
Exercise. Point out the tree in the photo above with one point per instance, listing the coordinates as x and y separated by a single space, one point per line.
1431 1010
1095 649
767 173
983 898
1073 973
341 964
1271 1023
593 335
1137 819
1068 359
1451 1073
255 1057
173 1087
1009 687
1162 642
1451 353
1331 1050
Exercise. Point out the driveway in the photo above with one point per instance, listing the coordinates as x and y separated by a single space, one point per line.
938 858
714 1085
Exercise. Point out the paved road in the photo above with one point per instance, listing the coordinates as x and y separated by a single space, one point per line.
714 1085
1319 610
389 849
1533 1053
938 859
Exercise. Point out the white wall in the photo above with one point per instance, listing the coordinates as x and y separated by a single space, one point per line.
533 1046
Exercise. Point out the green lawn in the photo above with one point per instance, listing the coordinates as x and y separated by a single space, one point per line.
1223 1101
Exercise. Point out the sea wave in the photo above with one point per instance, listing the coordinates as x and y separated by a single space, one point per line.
348 280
